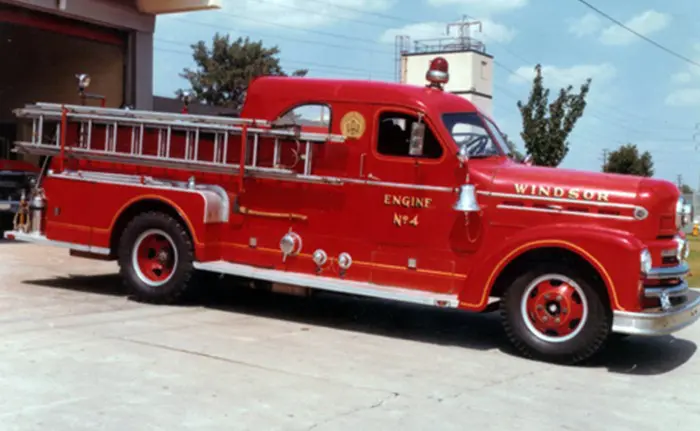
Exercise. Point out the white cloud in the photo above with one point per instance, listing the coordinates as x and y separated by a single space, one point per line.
687 83
555 76
491 31
587 25
646 23
482 7
295 13
681 78
687 97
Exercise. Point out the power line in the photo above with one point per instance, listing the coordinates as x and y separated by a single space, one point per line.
347 70
628 115
658 45
287 38
594 114
607 118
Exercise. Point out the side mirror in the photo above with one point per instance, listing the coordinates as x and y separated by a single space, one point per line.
463 155
415 147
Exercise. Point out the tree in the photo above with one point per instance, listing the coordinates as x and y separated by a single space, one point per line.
545 136
224 71
686 189
626 160
513 151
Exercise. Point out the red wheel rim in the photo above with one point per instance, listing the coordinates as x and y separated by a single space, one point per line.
554 308
154 257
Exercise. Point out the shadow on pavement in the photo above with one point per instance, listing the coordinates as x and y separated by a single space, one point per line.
632 355
645 356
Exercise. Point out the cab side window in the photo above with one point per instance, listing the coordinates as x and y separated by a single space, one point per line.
314 117
394 133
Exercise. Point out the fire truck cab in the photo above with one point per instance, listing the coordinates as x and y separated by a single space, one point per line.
366 188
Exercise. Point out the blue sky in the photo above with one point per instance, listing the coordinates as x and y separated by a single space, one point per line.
639 94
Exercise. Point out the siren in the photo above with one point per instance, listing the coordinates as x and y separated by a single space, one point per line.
438 74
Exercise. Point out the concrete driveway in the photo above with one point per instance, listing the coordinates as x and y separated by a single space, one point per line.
76 354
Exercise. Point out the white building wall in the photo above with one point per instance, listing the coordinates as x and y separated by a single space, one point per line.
471 75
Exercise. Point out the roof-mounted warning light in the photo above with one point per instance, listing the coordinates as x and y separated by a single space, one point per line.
437 74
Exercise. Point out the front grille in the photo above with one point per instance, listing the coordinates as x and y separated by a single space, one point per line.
669 260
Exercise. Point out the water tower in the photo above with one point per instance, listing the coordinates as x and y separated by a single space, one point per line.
471 68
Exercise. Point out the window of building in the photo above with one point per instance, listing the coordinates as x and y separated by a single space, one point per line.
316 117
394 133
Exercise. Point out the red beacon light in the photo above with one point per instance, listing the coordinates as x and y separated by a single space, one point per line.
437 74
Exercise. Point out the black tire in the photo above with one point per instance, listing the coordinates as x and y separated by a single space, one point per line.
147 285
568 348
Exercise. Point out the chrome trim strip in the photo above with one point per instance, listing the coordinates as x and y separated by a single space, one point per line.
136 180
658 323
562 211
331 284
42 240
401 185
557 200
671 292
660 273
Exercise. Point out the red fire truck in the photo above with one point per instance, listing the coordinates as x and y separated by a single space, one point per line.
366 188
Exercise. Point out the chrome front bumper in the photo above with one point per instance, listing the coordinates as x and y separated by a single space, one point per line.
679 306
659 322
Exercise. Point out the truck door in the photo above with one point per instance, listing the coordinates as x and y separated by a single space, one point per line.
413 220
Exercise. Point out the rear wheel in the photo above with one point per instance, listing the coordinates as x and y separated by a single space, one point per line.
553 313
155 258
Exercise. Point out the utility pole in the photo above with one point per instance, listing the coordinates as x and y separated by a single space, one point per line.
680 181
605 157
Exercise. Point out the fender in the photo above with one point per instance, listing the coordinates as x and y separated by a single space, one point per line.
196 206
613 253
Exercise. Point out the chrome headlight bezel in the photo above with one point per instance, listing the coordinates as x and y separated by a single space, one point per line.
684 213
645 264
682 248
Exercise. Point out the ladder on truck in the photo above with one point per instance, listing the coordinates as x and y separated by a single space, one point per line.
137 122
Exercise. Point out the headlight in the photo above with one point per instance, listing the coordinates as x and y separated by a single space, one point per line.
679 212
684 213
645 261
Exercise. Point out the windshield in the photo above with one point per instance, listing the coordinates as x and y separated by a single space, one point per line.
471 134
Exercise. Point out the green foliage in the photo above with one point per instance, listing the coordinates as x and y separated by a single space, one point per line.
627 160
223 72
546 127
513 150
686 189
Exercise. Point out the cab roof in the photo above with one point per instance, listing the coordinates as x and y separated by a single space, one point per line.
270 96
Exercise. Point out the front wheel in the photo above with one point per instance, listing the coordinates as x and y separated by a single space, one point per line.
553 313
156 258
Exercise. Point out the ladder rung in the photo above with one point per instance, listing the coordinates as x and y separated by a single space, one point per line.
183 124
148 160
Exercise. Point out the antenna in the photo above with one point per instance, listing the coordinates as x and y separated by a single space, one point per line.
464 26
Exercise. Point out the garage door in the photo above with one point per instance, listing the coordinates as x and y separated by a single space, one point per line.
41 55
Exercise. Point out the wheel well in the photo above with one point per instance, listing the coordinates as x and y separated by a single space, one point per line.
553 254
134 210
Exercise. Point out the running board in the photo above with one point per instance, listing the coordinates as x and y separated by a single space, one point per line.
331 284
